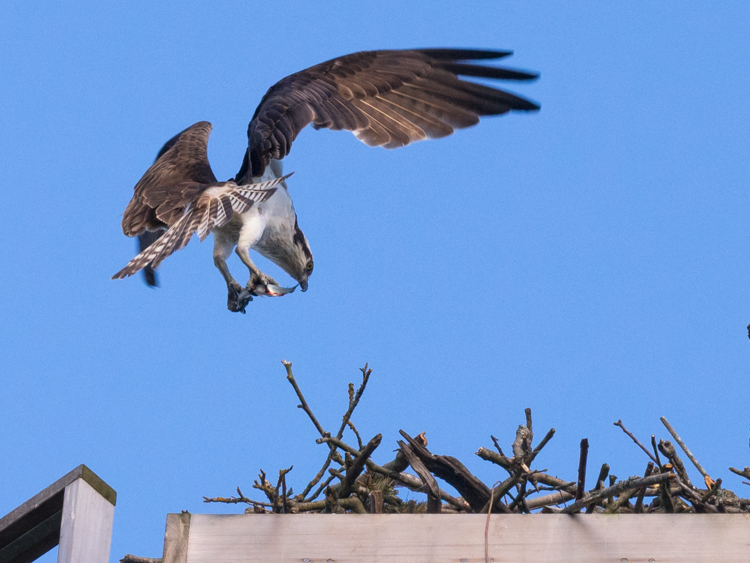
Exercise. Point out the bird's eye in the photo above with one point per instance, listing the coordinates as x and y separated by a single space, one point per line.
309 266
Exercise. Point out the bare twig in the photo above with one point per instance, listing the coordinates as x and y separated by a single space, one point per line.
451 470
529 426
376 502
582 469
555 498
282 484
568 486
622 500
648 453
240 498
642 492
353 428
354 400
409 481
632 483
539 477
499 459
398 464
497 445
507 463
656 453
332 456
743 473
603 472
354 504
520 500
665 494
303 403
433 491
331 453
667 448
501 489
358 465
298 507
688 453
322 487
612 481
543 443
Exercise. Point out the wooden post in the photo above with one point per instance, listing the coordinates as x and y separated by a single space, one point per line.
176 538
86 528
76 511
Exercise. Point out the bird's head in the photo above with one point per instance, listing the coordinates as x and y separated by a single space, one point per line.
288 248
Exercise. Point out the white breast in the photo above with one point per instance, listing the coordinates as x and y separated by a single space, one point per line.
263 220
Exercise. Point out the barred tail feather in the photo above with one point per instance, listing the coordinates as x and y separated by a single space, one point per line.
172 240
209 212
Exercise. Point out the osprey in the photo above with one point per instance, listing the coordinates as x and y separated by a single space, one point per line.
386 98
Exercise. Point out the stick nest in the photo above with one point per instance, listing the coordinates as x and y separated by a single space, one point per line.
350 482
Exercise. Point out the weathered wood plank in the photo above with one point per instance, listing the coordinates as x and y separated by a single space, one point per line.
86 528
586 538
176 538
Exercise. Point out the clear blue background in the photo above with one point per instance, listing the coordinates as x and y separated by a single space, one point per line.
589 261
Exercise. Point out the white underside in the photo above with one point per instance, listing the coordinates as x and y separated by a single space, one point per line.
247 230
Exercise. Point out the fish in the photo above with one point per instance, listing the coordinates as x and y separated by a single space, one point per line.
277 291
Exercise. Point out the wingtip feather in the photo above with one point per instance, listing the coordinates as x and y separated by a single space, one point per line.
465 54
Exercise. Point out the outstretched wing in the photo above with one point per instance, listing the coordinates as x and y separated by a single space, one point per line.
214 208
386 98
182 159
181 172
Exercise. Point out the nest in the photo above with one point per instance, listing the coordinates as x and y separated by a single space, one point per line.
350 482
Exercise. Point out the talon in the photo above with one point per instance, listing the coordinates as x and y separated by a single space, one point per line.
238 298
258 285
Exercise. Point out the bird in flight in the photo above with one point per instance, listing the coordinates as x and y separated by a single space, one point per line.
386 98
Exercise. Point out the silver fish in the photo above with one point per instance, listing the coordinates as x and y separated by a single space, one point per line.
277 291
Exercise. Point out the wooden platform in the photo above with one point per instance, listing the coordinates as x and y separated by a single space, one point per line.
396 538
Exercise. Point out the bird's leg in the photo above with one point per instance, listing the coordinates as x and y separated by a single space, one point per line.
223 246
258 282
234 302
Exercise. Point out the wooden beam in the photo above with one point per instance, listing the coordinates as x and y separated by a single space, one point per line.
397 538
34 543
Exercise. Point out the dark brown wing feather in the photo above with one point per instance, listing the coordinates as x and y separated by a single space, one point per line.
181 172
387 98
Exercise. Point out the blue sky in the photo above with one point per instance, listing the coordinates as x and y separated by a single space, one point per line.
588 261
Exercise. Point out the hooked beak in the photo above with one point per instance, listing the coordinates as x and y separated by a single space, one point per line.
303 285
